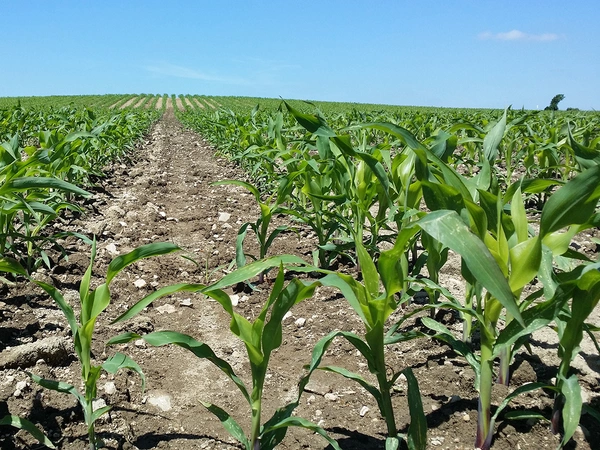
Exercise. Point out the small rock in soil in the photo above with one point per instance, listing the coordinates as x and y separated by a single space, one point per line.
54 350
110 388
166 309
162 402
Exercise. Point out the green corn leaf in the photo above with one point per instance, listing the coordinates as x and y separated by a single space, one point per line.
535 318
519 216
26 183
520 390
417 430
58 386
525 261
571 413
344 144
232 427
100 301
531 186
573 203
121 361
84 287
582 151
345 284
401 133
303 423
356 377
524 415
240 257
24 424
167 290
369 271
200 349
145 251
389 262
99 413
315 124
558 242
493 138
11 265
294 293
448 228
253 269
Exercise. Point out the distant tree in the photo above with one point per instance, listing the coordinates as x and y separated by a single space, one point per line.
554 102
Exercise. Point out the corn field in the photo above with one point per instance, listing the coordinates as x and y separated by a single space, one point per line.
361 232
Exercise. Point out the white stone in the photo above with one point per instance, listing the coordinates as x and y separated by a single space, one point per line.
112 249
139 283
166 309
364 410
331 397
287 315
21 385
162 402
185 302
140 343
110 388
235 299
300 321
224 216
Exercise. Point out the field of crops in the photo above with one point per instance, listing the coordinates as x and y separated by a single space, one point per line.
330 275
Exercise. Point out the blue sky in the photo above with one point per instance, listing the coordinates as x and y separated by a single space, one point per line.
463 53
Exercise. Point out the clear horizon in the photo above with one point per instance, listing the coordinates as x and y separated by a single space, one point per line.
463 54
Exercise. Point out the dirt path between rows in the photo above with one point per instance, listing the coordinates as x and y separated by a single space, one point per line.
167 196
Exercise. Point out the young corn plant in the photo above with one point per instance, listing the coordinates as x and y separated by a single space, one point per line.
584 293
261 229
374 308
260 337
513 262
92 304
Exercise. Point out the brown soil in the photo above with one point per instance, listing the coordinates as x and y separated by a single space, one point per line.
128 102
199 103
167 196
188 103
140 101
179 104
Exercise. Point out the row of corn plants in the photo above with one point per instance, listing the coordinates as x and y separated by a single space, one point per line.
508 195
363 188
47 157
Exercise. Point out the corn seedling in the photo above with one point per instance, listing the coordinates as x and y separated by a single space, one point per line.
93 303
374 308
260 337
261 229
